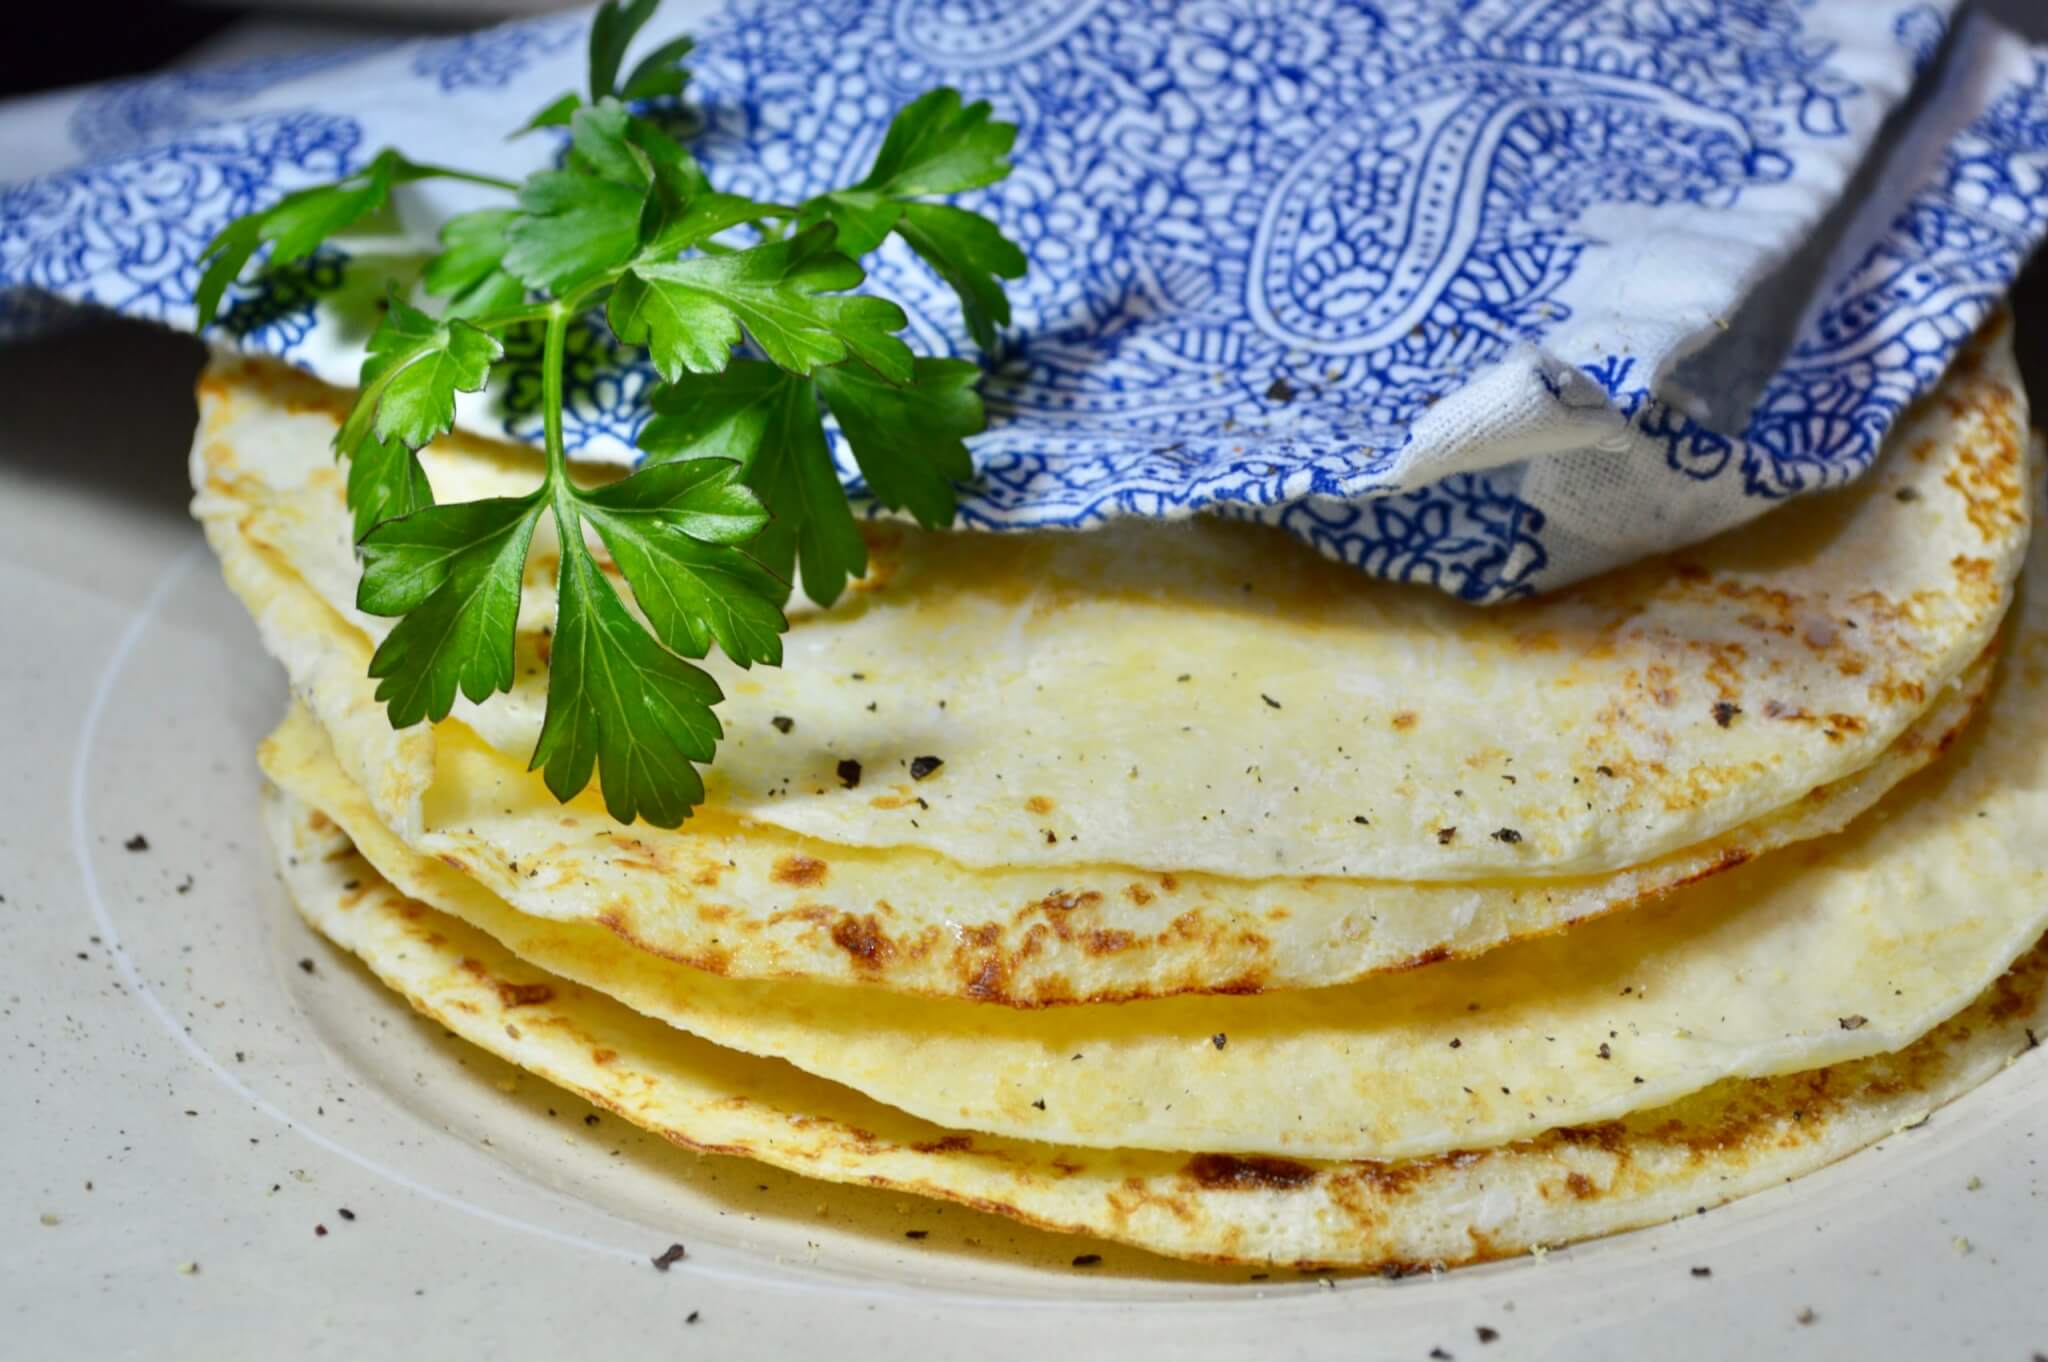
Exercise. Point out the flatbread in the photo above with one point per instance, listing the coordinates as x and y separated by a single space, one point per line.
751 901
1735 1138
1856 946
1212 697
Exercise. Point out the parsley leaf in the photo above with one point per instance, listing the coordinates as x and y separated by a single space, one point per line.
689 313
410 376
936 145
454 573
385 481
470 270
972 255
620 701
671 528
660 72
770 421
909 439
612 30
576 224
296 225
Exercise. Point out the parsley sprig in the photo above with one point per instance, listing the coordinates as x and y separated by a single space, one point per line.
748 311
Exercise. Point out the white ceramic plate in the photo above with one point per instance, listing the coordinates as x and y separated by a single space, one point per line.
190 1077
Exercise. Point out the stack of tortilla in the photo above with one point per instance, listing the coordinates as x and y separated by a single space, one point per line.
1167 884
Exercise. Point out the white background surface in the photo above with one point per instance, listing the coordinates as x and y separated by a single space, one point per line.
168 1050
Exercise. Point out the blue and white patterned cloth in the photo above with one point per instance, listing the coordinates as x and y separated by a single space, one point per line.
1489 294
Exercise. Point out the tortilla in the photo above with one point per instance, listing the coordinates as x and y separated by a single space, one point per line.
1735 1138
1211 697
1856 946
751 901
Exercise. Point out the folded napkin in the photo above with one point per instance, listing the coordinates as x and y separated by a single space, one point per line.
1489 294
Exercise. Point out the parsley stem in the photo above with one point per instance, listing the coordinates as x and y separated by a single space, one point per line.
500 321
553 348
468 177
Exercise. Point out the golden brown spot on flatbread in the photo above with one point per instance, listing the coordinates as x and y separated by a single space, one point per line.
945 1144
862 938
1230 1172
631 851
1405 720
523 995
1434 955
453 862
1580 1186
799 870
1039 804
1138 894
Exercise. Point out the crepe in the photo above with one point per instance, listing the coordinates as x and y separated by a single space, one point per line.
1736 1137
751 901
1210 697
1856 947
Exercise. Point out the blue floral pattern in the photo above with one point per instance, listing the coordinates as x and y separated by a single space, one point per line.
1324 264
493 58
130 115
126 233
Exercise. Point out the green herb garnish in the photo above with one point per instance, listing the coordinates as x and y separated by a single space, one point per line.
737 492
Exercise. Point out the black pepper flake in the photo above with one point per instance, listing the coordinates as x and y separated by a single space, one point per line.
2033 1041
1269 699
137 843
849 773
1854 1022
783 723
185 886
1444 836
916 1234
1907 494
692 1317
670 1256
1457 1044
1219 1040
1724 713
1703 1272
1486 1334
590 1118
1439 1355
1508 835
1039 1103
345 1213
920 767
1185 676
1361 820
1604 770
1604 1052
319 1231
1087 1259
1279 391
306 963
